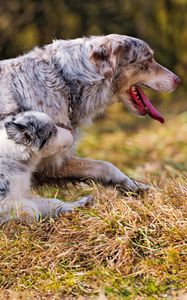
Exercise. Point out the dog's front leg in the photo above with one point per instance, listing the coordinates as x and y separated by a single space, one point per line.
52 207
35 208
84 169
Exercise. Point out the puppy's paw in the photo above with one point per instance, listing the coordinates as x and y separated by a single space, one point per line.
87 201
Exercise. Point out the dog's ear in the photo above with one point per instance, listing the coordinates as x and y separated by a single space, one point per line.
106 56
20 133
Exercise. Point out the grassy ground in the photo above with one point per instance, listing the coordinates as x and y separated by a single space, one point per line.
126 247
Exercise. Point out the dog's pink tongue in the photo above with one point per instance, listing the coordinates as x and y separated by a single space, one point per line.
153 113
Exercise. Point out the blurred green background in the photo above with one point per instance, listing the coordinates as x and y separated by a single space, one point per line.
162 23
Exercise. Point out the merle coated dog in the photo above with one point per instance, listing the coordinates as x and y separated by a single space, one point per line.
75 80
24 140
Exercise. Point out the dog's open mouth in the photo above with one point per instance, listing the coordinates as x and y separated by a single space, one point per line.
142 103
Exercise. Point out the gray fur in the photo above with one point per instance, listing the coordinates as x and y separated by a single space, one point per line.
74 81
24 140
27 129
4 186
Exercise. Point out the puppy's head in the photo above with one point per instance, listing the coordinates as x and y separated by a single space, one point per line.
37 131
128 63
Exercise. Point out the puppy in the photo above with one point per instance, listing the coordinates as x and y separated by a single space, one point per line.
24 140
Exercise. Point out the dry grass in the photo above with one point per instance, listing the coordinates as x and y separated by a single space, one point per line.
126 247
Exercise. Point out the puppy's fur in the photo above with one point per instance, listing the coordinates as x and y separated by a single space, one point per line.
24 140
74 81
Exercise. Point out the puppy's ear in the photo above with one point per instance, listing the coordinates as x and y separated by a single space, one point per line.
20 133
106 56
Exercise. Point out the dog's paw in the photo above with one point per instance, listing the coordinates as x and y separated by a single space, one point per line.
135 186
87 201
140 186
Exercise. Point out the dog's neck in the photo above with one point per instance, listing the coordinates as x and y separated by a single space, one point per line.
88 92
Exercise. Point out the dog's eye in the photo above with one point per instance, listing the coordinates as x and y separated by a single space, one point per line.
150 60
32 125
144 65
44 139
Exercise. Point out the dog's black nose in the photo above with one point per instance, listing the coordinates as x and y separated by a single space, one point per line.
177 80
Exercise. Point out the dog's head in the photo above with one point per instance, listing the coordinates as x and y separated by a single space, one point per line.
37 131
129 64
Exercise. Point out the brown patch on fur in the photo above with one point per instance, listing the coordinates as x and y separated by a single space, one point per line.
105 57
40 103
